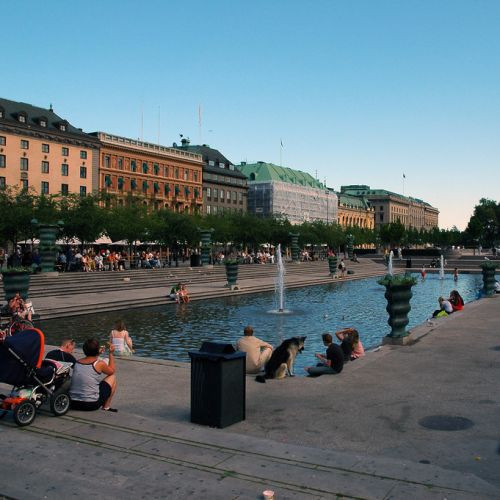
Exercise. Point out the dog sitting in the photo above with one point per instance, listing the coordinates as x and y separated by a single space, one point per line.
281 362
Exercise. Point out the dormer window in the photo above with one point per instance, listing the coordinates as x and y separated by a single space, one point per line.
21 117
62 127
42 121
221 165
2 112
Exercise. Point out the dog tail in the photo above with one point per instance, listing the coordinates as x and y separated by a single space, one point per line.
261 379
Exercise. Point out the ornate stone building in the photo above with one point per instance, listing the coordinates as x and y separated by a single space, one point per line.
41 150
165 177
225 188
391 207
281 191
355 211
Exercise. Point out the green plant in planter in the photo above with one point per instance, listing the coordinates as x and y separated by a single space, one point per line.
488 268
397 280
16 279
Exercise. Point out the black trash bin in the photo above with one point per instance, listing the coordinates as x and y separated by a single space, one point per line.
217 385
195 260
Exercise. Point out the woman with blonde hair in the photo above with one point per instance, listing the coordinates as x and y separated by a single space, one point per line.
121 339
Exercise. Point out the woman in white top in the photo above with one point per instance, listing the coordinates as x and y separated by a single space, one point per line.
121 340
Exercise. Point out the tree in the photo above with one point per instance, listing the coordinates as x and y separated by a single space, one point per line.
17 208
484 225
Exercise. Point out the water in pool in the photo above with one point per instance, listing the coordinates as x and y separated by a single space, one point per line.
170 331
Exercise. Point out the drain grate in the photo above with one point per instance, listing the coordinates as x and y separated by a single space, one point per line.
446 423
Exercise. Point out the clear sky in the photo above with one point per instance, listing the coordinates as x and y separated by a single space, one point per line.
359 91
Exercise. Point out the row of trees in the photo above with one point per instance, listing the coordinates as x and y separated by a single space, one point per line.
87 218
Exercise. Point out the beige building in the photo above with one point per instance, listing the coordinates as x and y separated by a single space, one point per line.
391 207
165 177
355 211
41 150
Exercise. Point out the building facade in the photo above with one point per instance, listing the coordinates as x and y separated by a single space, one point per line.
296 195
225 188
164 177
355 211
392 207
41 150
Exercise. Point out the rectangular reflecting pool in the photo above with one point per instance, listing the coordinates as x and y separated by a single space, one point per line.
170 331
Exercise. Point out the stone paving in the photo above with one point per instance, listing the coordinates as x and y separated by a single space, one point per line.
357 434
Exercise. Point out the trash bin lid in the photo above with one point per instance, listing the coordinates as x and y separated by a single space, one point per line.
217 347
216 351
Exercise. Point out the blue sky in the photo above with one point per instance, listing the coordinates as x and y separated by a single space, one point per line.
359 91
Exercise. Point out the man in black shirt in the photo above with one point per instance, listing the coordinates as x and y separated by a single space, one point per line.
330 364
64 353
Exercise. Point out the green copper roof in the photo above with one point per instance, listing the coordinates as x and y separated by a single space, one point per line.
363 190
353 201
262 172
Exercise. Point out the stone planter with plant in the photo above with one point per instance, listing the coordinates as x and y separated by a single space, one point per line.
16 279
488 268
231 272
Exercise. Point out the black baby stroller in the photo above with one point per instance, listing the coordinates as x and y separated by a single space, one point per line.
36 381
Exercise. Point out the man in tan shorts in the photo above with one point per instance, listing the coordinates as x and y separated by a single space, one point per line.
258 351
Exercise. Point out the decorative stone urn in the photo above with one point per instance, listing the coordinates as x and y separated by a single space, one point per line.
231 273
332 265
48 251
488 268
16 280
206 245
350 246
294 238
398 294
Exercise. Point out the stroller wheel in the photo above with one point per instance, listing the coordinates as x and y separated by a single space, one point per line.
24 413
59 404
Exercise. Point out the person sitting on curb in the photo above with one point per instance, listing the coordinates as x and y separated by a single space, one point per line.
120 338
258 352
64 353
350 343
445 308
93 383
456 301
17 307
174 292
183 295
330 364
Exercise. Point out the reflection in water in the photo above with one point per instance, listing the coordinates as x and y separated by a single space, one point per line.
170 331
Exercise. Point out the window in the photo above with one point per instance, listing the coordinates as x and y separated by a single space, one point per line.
209 208
216 193
83 190
24 164
62 127
120 163
24 183
221 165
156 169
83 155
43 123
228 195
240 197
231 167
25 144
133 166
83 172
45 148
222 195
2 182
22 118
215 209
2 161
65 151
176 173
1 113
235 196
64 169
186 174
195 176
45 167
144 167
107 161
64 189
381 217
209 193
45 187
2 140
211 163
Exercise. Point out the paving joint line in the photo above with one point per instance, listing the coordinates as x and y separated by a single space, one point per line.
283 460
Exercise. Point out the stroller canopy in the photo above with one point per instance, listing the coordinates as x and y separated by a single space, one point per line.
29 345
